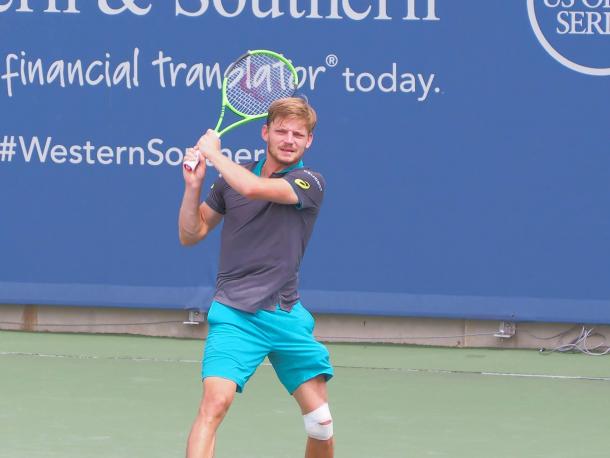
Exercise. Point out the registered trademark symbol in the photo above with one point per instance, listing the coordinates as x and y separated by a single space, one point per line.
332 60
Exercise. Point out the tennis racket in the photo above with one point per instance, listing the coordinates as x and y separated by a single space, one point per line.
249 87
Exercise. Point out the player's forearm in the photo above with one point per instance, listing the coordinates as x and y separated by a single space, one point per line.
239 178
191 226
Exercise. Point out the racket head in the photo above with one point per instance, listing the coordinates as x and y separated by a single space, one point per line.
249 87
255 80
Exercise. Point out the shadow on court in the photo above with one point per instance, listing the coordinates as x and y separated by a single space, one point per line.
81 396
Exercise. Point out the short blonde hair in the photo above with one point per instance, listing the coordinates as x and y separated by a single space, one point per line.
293 107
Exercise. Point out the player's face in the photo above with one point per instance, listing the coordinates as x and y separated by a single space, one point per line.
287 139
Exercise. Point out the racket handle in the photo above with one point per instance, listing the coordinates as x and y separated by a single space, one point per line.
191 165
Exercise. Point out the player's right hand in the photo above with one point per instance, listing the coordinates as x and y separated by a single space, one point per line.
194 177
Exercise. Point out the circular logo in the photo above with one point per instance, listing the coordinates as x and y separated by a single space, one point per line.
576 33
302 184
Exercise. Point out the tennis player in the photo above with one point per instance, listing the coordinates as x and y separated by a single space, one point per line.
269 209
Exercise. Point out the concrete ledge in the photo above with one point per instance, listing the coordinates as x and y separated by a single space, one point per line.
329 328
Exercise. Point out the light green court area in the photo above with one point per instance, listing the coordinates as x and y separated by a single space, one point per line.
106 396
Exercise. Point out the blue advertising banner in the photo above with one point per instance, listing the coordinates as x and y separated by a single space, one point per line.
464 144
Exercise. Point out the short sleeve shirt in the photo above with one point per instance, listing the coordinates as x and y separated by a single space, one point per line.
263 243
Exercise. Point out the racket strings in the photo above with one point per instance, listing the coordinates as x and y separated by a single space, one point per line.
257 80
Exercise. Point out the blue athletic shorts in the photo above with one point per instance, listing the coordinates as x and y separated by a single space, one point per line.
238 342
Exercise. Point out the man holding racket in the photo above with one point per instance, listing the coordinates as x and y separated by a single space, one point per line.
269 210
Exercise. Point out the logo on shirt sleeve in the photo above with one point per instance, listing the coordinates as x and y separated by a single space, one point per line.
302 184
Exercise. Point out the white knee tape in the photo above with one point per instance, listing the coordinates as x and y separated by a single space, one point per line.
314 423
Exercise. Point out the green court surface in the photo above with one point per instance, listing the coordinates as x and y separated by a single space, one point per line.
122 396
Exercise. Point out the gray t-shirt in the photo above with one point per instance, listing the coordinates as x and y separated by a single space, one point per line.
262 243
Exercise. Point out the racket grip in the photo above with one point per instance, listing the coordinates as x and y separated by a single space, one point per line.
191 165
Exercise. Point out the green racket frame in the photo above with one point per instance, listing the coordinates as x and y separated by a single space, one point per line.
192 164
225 101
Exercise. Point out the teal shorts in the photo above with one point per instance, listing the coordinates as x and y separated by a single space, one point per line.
238 342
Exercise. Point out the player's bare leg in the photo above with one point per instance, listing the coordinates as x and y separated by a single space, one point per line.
218 394
311 395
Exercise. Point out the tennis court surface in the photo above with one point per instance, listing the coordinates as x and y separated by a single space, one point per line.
69 395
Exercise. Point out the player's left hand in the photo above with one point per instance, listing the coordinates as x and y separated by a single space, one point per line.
209 144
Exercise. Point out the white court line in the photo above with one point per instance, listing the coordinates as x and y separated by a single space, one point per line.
495 374
115 358
395 369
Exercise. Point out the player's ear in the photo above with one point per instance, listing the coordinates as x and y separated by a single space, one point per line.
265 132
309 140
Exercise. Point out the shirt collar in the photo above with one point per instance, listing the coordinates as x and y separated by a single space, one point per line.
259 167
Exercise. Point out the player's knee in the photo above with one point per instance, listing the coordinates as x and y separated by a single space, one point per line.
319 423
215 406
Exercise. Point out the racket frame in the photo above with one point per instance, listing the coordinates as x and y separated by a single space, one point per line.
225 100
191 165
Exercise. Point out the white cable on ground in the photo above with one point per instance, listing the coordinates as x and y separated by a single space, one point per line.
581 344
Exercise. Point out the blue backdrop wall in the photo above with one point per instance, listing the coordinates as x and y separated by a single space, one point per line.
464 142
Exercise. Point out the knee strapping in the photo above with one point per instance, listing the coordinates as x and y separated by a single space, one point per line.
319 423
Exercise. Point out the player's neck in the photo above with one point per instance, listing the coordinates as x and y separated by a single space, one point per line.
272 166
